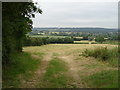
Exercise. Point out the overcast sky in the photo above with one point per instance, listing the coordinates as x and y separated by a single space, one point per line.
77 13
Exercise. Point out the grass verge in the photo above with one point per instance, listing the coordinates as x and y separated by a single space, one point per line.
104 79
22 66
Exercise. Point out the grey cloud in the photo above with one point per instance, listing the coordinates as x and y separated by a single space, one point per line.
77 14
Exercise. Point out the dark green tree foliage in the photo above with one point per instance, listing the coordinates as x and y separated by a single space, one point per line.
100 39
16 23
61 40
32 41
77 39
85 37
38 41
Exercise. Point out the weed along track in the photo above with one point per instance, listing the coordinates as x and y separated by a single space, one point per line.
62 66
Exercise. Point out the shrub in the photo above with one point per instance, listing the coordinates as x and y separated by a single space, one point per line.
100 39
103 53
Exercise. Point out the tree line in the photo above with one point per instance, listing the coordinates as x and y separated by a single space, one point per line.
38 41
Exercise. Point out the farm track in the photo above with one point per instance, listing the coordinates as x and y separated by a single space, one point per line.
73 71
37 75
77 65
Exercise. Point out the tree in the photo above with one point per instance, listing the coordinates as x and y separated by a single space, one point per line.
100 39
16 23
85 37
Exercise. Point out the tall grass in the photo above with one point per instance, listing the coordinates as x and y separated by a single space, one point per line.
22 65
104 79
104 54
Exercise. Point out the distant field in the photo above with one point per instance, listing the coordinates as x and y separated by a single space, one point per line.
85 42
48 36
112 42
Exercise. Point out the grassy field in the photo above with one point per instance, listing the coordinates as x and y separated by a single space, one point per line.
85 42
62 66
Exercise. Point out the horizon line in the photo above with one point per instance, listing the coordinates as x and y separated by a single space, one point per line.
77 27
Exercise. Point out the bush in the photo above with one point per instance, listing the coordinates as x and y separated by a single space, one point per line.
103 53
100 39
